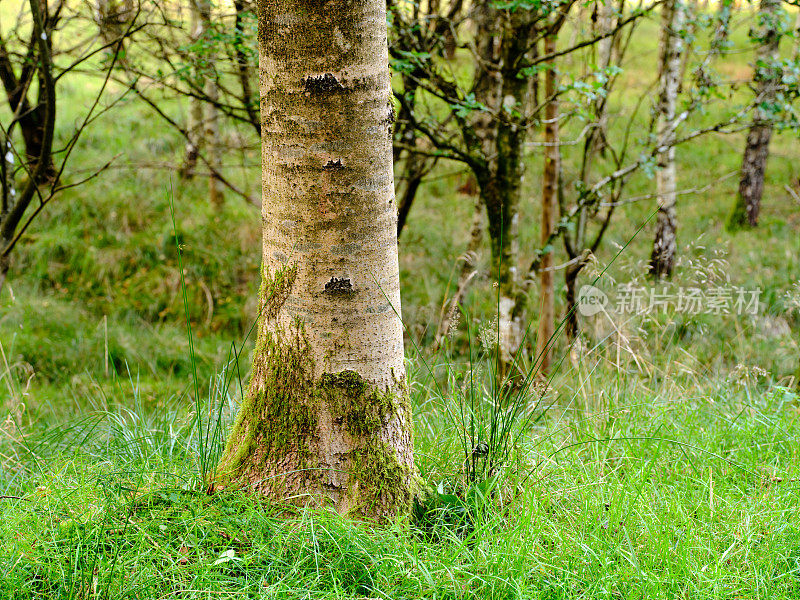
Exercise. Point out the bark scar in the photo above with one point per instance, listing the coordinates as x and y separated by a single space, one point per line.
338 286
333 165
321 84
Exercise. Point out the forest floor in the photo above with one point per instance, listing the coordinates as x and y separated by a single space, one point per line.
660 462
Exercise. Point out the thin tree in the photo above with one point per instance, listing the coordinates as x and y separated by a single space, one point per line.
31 172
673 19
204 119
326 417
550 178
766 78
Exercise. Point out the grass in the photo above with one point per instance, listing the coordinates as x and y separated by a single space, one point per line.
665 493
660 462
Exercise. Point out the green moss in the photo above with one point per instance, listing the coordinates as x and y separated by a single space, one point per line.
275 290
277 423
363 410
274 446
379 481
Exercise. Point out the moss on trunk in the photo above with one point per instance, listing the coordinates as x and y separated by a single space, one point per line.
301 439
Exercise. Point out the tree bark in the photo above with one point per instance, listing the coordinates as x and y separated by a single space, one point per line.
662 259
571 304
415 168
4 266
756 151
550 178
327 417
203 126
213 143
501 187
195 129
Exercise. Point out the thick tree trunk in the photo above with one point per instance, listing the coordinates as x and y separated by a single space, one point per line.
550 178
662 259
326 417
756 151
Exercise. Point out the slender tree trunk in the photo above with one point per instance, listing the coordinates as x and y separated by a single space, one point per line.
605 50
195 128
415 169
4 266
756 151
211 124
502 191
571 303
204 115
662 259
326 417
550 178
213 143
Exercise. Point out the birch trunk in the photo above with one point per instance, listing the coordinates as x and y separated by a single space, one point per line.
756 151
213 143
546 329
662 258
203 127
195 129
327 417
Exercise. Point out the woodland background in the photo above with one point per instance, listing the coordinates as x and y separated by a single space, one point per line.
657 458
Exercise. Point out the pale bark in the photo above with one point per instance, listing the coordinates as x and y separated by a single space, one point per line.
552 159
203 129
605 49
195 129
756 152
213 143
327 415
662 259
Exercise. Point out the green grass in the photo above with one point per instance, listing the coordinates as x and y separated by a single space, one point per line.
661 461
663 493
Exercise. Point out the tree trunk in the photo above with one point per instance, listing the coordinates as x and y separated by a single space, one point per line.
195 129
662 259
4 266
756 151
550 178
327 416
605 49
213 143
501 190
571 304
203 126
415 169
